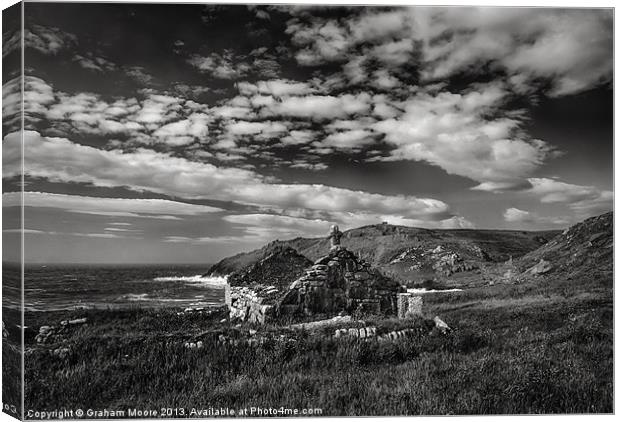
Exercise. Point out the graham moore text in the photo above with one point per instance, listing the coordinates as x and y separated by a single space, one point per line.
171 412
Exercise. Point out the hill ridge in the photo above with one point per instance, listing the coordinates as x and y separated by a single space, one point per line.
463 250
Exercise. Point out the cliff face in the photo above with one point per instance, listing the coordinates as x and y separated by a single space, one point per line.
339 282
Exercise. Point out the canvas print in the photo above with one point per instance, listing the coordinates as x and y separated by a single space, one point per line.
237 210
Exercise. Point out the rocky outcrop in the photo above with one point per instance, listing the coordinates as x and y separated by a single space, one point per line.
439 260
338 282
278 266
542 267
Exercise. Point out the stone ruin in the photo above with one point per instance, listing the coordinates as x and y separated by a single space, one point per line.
253 304
339 282
409 305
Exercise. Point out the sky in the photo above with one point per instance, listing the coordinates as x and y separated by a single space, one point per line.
187 133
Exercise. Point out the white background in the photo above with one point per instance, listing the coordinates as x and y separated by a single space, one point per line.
589 4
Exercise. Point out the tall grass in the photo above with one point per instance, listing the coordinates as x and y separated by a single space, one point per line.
510 351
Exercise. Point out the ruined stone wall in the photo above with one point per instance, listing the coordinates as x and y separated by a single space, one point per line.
409 305
252 304
340 282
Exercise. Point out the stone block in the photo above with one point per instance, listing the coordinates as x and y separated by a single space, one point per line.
409 305
227 295
414 307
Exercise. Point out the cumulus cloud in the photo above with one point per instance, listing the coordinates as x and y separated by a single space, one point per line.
300 164
320 107
47 40
60 160
276 88
139 74
272 226
298 137
572 48
166 119
463 133
356 219
350 139
253 128
221 66
129 207
516 215
95 63
453 132
554 191
184 131
37 96
585 201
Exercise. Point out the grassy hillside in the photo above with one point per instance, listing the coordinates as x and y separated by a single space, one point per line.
585 249
405 253
514 349
538 346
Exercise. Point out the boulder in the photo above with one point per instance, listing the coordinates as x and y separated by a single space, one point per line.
541 267
443 327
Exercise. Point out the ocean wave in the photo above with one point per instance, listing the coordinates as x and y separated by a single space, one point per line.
423 290
214 281
135 297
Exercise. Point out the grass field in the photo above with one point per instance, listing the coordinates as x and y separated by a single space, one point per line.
544 347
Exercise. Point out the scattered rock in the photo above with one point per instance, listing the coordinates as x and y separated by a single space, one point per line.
541 268
78 321
322 323
193 345
441 325
61 352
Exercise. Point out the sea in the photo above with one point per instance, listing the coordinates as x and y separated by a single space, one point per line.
68 287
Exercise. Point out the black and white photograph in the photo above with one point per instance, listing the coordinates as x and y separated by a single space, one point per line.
306 210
